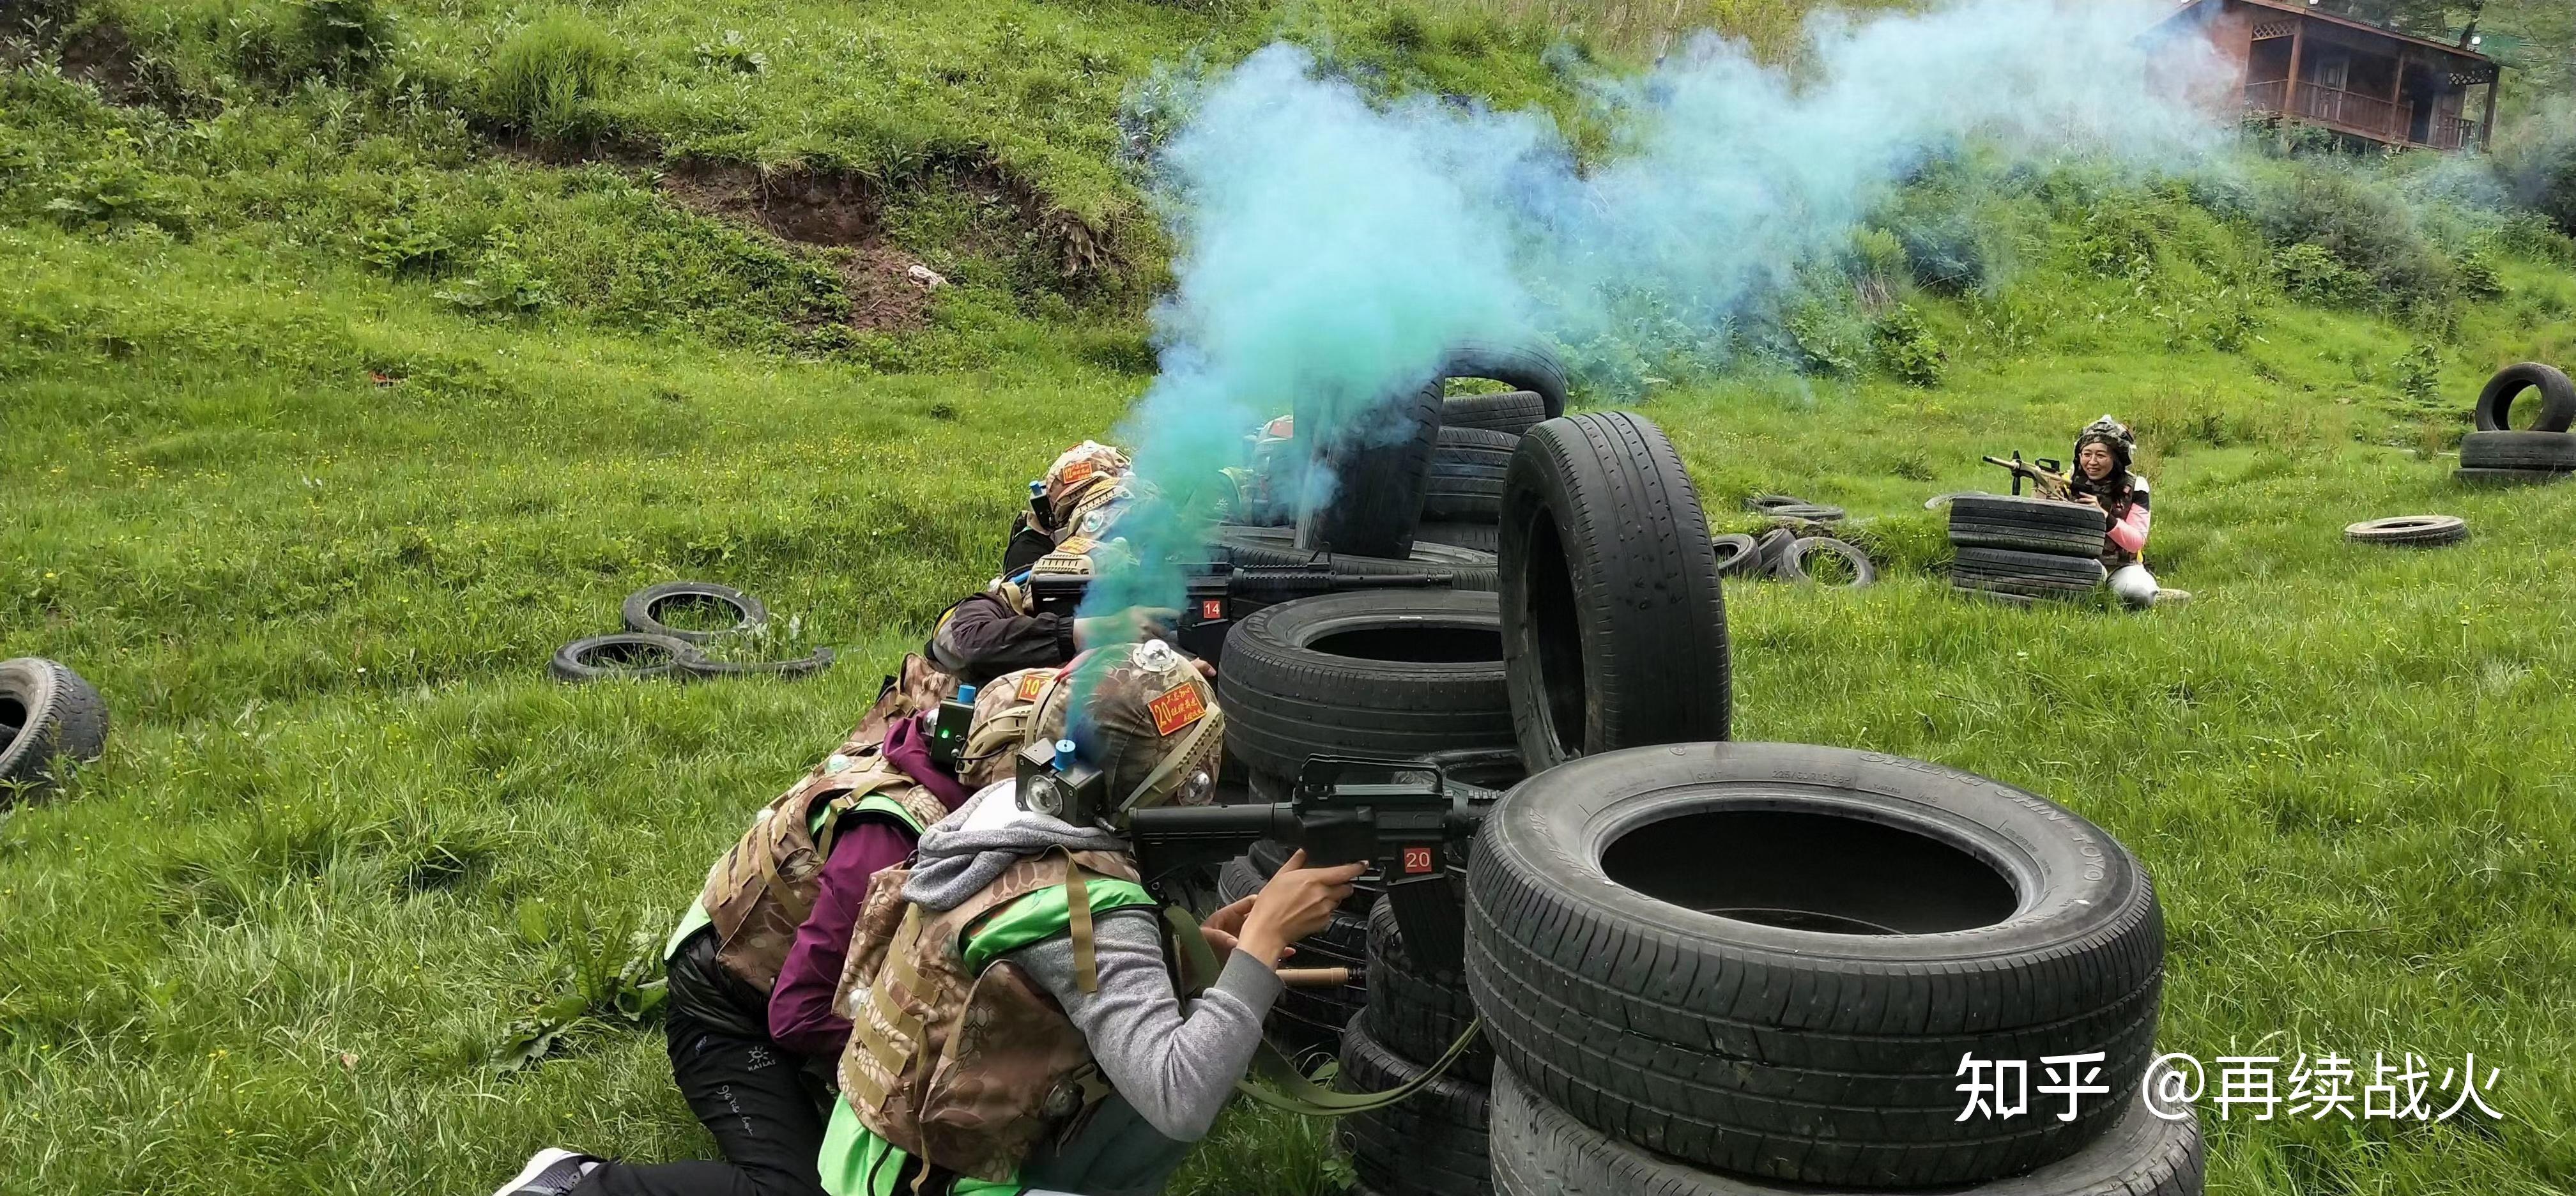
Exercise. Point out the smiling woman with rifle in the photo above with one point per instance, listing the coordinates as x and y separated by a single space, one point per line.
2102 479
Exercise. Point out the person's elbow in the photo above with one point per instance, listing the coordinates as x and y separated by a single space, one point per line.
1181 1124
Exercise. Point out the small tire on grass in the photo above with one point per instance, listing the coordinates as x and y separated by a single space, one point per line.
1768 550
2409 530
643 610
1513 411
1793 563
49 716
1467 474
1807 513
1432 1143
1736 554
1800 1013
628 654
1540 1150
1524 366
1614 628
2469 476
2557 398
1387 673
806 667
2518 450
1381 467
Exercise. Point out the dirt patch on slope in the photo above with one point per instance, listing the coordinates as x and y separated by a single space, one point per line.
97 53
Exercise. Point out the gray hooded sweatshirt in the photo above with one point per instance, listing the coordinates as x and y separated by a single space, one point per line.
1174 1063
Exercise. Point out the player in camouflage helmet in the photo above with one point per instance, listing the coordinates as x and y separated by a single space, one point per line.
2102 478
1016 1025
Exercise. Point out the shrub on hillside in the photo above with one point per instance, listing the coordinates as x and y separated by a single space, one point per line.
546 79
2362 229
2538 163
341 39
1905 347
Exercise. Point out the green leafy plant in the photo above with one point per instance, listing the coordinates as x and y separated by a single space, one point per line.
1905 347
401 245
610 980
546 80
503 283
341 39
731 53
2312 272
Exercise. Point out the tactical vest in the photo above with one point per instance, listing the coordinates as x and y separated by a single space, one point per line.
762 890
961 1061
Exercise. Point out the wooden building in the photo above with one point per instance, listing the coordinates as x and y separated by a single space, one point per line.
2310 65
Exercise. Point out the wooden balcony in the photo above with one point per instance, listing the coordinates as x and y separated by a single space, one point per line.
2374 117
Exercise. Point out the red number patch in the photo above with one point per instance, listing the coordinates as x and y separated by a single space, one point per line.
1417 860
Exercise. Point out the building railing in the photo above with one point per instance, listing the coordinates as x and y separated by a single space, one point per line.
2370 116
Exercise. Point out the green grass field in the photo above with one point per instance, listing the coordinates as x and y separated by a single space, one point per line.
312 504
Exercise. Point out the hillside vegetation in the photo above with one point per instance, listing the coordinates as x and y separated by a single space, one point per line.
355 355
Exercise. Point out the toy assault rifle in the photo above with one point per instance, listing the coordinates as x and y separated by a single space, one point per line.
1218 593
1406 818
2047 477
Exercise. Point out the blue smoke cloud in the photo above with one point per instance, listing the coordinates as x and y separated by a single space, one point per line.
1332 246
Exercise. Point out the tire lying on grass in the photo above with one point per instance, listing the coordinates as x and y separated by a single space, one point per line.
1512 411
2557 398
1737 554
2410 530
1387 673
49 715
1539 1150
629 654
1800 1013
1613 623
1432 1143
1793 562
1467 474
2033 574
2518 450
1767 552
643 610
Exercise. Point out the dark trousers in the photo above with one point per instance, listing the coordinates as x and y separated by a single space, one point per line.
755 1098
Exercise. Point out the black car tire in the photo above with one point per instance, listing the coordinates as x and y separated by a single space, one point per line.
1431 1143
2557 398
1389 673
1415 1010
49 715
1613 623
2015 571
1380 466
1470 568
628 654
1883 918
644 607
1526 367
1513 411
1467 474
2009 510
1736 554
1768 550
2409 530
1483 537
1539 1150
2518 450
1793 563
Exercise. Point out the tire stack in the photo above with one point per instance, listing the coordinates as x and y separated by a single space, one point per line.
2023 550
1393 674
2498 454
1463 500
1799 1016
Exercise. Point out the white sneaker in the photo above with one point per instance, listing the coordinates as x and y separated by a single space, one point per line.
553 1171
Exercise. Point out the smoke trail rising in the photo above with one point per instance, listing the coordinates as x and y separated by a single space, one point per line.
1331 247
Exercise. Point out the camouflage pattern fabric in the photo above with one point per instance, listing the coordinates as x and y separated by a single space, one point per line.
1146 702
763 888
1002 710
966 1072
920 685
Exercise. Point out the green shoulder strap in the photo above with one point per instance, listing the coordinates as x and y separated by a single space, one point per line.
1274 1079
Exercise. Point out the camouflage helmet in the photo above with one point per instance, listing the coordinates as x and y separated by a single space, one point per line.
2113 435
1003 707
1151 724
1078 473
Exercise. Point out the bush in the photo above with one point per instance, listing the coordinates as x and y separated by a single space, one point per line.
546 79
2309 271
2362 229
2538 164
341 39
1906 348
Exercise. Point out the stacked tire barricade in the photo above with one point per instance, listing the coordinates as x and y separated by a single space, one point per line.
1693 966
2498 454
2023 550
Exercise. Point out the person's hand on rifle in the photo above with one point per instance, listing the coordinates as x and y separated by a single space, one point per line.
1134 625
1297 902
1224 928
2089 500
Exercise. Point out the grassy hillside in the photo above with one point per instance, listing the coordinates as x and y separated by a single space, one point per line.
337 389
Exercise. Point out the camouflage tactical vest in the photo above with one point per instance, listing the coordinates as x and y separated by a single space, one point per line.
965 1070
762 890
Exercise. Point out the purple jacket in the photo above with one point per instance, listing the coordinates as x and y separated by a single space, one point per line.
800 1006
